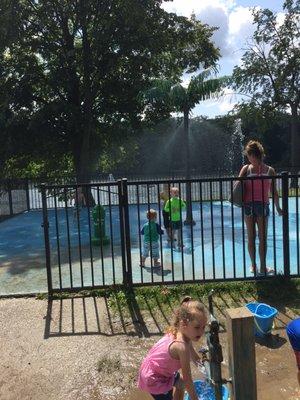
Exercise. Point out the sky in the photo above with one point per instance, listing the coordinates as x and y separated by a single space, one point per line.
234 19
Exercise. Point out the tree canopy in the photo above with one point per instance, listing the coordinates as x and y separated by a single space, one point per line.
72 69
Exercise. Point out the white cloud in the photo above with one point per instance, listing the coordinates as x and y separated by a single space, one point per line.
241 29
234 22
280 18
187 7
217 106
240 18
218 17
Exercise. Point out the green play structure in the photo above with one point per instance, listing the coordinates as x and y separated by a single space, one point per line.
99 226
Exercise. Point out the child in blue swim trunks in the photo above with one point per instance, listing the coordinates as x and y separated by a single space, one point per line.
293 332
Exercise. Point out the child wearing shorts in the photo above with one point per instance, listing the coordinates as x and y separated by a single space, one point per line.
151 231
174 207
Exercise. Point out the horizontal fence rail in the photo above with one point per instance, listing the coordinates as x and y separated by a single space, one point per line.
94 232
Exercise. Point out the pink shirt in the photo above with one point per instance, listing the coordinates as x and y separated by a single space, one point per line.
157 372
257 189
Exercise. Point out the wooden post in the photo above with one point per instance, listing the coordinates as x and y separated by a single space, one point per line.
241 345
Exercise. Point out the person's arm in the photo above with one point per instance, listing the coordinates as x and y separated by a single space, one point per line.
185 359
195 356
167 206
275 192
243 170
183 205
143 230
159 230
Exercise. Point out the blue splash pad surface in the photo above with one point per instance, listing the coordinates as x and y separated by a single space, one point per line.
206 392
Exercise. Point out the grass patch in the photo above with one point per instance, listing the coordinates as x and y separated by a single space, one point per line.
275 290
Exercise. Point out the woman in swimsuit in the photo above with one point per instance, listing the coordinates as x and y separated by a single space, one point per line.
256 202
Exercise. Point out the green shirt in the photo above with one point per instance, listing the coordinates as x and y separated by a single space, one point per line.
151 230
173 207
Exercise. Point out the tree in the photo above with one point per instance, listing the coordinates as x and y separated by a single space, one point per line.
270 68
165 93
81 64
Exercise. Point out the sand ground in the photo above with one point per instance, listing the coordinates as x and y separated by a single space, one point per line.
79 349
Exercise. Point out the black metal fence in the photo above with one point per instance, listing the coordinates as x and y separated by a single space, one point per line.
100 244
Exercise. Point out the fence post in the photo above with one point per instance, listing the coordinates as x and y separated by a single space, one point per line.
285 223
125 232
241 353
45 225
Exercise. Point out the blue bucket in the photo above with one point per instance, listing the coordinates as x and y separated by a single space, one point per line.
263 318
206 392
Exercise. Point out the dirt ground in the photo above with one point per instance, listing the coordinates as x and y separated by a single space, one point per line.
79 349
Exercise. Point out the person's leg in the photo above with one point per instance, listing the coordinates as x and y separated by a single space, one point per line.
178 235
145 253
155 254
166 218
143 259
251 233
262 225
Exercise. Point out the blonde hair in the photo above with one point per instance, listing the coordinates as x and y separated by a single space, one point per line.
151 214
187 311
255 148
174 190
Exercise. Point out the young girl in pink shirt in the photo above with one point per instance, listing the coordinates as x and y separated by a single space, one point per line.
159 372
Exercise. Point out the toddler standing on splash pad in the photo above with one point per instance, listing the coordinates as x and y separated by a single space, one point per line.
151 231
159 372
174 207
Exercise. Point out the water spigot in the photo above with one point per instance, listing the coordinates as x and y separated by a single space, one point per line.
215 357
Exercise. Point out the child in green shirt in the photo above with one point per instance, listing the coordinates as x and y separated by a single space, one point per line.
174 207
151 231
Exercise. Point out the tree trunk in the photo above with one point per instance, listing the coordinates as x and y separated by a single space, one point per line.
295 145
83 169
189 212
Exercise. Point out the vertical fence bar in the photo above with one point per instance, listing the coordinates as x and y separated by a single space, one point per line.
68 236
122 232
222 228
125 232
202 232
285 223
111 235
274 184
212 229
45 225
57 239
139 229
90 234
